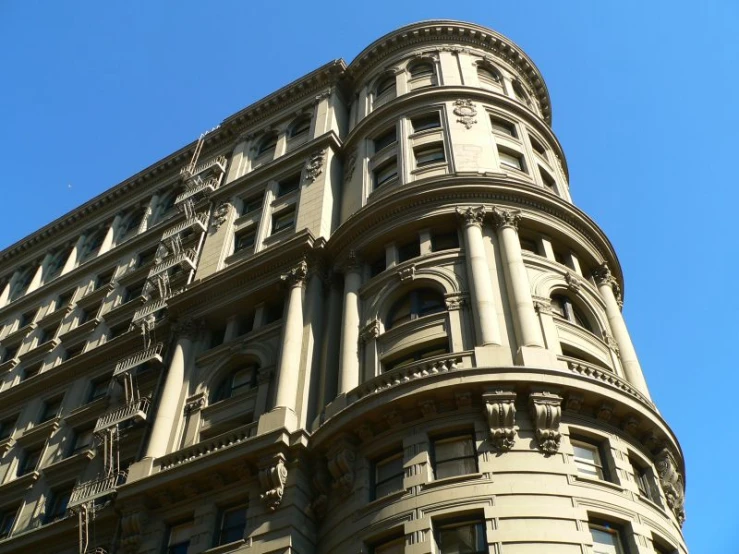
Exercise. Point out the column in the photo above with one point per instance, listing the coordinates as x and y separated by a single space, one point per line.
331 344
167 412
7 288
527 325
487 330
608 288
288 372
149 215
71 262
314 309
107 243
36 282
349 368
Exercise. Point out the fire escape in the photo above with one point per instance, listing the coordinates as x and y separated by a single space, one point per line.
172 270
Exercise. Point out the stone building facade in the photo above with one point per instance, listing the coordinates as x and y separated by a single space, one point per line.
360 315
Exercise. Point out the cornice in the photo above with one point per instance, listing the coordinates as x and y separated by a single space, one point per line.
459 32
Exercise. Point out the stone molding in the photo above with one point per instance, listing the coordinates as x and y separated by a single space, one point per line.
546 413
272 479
500 412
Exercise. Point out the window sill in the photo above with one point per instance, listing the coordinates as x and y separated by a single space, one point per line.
428 167
387 499
228 547
39 433
649 502
600 483
425 132
451 480
279 235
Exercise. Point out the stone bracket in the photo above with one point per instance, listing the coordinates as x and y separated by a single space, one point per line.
272 479
500 411
546 413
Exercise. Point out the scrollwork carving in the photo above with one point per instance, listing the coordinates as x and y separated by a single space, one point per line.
500 412
220 215
349 164
314 166
671 481
506 218
546 413
472 215
272 479
341 458
466 112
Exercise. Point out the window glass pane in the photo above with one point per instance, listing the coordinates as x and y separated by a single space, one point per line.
386 139
389 468
488 76
251 205
245 240
283 220
453 448
386 173
502 126
386 84
232 525
445 241
425 122
409 250
511 160
421 69
429 155
300 127
400 312
462 539
393 547
288 185
454 456
537 146
605 542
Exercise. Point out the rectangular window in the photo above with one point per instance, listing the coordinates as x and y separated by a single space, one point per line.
251 205
81 441
529 245
51 409
588 458
283 220
386 139
104 278
98 389
385 173
273 311
147 257
118 330
7 520
7 426
10 353
245 240
409 250
179 538
429 154
606 539
461 537
45 335
286 186
134 291
511 159
538 147
661 547
32 371
503 126
425 122
56 505
233 523
444 241
548 180
394 546
64 300
26 318
643 480
245 323
378 266
454 456
389 474
73 351
28 462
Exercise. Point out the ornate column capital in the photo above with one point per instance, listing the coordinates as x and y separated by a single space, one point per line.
500 411
603 276
370 331
546 413
542 304
195 403
506 218
185 328
472 215
272 479
296 276
455 300
352 262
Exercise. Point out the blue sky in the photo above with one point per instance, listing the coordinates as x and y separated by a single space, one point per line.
644 103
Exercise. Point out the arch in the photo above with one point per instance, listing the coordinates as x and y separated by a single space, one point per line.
421 68
267 143
384 85
132 220
489 76
56 264
300 126
412 302
221 376
568 307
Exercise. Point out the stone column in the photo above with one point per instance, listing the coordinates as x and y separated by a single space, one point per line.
5 295
527 326
288 372
314 329
36 282
331 343
349 358
166 414
487 330
150 213
107 243
74 255
609 290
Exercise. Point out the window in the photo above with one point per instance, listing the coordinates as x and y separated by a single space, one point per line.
251 205
643 479
118 330
75 350
179 538
588 458
538 147
409 251
245 324
32 371
98 389
245 240
385 86
388 475
436 348
444 241
7 520
104 278
64 300
421 69
548 180
288 185
503 126
133 222
10 352
385 173
273 311
394 546
661 547
461 537
379 265
146 257
45 335
283 220
426 122
267 145
417 303
300 127
385 139
134 291
81 441
26 318
454 456
521 93
429 154
562 258
233 523
55 266
28 462
238 381
511 159
606 539
564 308
529 245
7 426
94 243
56 505
488 76
51 409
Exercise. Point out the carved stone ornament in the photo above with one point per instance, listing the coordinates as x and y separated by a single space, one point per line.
630 424
542 305
500 411
341 458
195 403
185 328
320 482
463 399
297 275
574 402
506 218
466 112
272 479
314 166
671 482
325 94
603 276
349 164
546 413
365 432
472 215
428 407
370 331
610 341
455 300
573 282
604 412
407 273
220 215
264 376
352 262
393 418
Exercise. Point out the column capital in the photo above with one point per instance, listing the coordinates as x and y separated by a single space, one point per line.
185 328
506 218
352 262
472 215
296 276
603 276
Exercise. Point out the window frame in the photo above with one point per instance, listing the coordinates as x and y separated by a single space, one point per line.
220 539
386 460
447 439
607 528
427 150
496 79
29 454
426 116
277 215
47 404
571 311
225 388
170 546
504 127
504 156
455 523
8 515
243 234
389 170
416 309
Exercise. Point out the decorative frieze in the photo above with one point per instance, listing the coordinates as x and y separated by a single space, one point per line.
546 413
574 402
272 479
466 112
500 412
463 399
365 432
672 483
195 403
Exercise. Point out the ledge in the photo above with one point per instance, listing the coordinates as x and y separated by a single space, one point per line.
378 503
73 335
87 412
39 352
19 334
452 480
38 433
5 445
228 547
593 482
69 467
12 491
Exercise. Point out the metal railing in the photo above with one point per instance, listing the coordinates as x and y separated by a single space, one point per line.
149 308
91 490
153 353
209 446
219 162
136 410
200 220
186 256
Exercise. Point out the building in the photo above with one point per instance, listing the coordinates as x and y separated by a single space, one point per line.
360 315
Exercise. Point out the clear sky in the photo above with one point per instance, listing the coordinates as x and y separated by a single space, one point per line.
644 102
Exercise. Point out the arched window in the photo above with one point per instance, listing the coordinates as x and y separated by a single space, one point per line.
238 381
94 242
299 127
417 303
21 284
421 69
521 93
385 86
267 144
564 307
54 268
133 221
488 76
